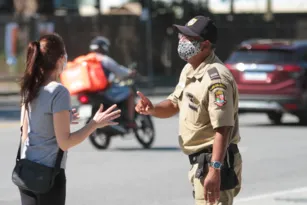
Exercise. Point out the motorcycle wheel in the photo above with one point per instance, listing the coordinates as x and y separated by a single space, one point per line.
145 131
100 140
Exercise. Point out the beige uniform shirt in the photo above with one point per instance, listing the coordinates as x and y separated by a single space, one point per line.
207 98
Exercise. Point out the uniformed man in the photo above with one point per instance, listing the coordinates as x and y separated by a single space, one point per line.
206 98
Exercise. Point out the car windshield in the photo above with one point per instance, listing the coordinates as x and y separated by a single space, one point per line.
262 56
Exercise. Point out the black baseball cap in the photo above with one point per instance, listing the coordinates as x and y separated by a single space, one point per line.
199 26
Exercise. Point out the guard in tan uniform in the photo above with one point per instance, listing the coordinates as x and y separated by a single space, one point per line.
206 98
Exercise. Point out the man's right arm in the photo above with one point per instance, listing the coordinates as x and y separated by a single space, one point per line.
165 109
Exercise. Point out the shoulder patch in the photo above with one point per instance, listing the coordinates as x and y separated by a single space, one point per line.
214 74
217 85
220 99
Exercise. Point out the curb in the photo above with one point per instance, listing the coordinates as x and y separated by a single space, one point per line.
8 94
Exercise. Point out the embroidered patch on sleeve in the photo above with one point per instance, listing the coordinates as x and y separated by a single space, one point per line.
217 85
214 74
220 99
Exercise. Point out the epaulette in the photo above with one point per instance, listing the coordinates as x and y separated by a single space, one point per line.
214 74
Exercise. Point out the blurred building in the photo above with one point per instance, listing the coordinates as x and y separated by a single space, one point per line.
132 8
124 25
257 6
6 6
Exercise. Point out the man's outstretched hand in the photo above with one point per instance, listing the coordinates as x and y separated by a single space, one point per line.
144 105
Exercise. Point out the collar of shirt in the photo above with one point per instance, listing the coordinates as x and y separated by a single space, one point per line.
199 71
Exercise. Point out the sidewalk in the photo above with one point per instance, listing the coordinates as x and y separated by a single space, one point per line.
8 88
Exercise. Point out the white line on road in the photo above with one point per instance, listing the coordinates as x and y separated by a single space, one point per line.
274 194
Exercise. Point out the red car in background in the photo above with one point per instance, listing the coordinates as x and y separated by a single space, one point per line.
272 77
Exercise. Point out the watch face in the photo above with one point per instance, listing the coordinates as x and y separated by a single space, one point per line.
216 165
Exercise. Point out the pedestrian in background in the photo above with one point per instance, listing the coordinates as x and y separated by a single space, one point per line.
46 116
206 98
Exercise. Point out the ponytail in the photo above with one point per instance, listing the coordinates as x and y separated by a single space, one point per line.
33 76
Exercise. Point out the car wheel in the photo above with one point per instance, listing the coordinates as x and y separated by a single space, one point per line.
275 117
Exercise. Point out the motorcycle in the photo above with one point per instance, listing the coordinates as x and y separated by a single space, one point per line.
144 130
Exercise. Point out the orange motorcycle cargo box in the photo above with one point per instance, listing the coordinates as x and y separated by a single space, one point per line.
84 74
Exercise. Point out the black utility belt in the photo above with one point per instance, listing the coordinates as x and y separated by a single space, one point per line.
229 178
233 148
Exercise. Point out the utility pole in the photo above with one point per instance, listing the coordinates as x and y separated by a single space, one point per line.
147 10
97 17
231 7
230 17
268 16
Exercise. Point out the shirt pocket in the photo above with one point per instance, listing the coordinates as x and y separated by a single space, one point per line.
192 108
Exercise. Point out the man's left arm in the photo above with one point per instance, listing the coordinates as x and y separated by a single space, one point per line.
221 113
220 144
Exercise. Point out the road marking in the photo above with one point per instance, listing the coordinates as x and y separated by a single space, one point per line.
274 194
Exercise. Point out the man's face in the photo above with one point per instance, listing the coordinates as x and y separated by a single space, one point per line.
189 47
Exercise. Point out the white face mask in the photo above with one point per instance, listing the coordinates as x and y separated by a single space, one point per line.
187 49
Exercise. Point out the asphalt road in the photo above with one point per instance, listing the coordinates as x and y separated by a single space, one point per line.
274 169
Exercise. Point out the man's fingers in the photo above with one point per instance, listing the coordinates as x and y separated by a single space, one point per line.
212 197
144 103
147 109
140 106
138 109
144 113
142 96
205 193
217 195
